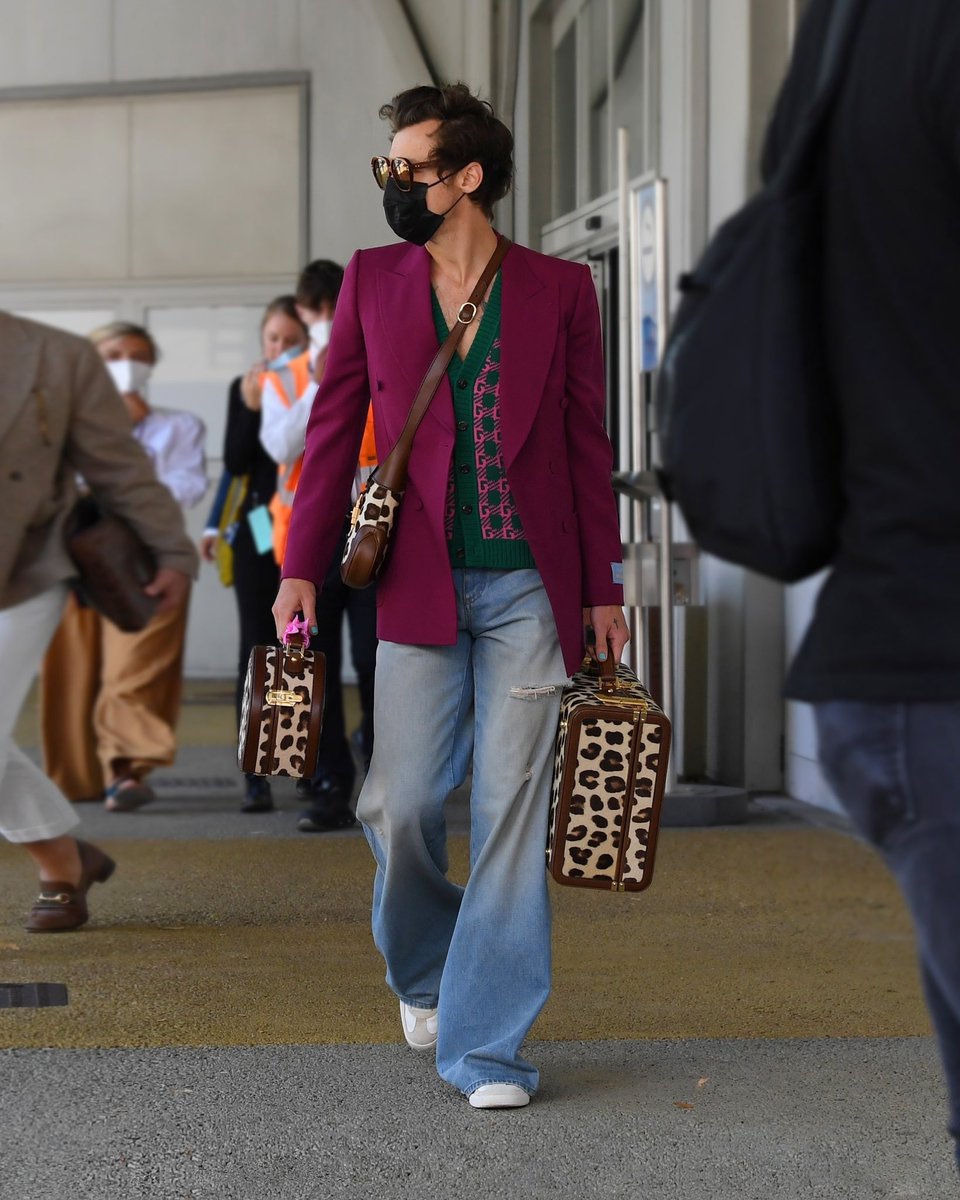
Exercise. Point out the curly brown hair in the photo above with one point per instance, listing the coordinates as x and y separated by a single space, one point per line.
469 132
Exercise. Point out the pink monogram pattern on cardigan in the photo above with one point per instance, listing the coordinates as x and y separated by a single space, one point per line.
499 519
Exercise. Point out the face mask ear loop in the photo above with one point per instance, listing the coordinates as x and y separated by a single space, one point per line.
455 203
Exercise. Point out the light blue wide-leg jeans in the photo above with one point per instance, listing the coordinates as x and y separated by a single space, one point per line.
481 954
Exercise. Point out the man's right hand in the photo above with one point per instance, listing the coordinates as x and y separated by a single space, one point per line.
295 596
170 587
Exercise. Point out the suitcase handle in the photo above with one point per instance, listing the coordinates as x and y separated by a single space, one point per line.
608 676
607 672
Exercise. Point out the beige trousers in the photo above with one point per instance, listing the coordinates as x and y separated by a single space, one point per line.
109 701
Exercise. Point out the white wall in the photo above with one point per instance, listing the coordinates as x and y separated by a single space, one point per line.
458 40
804 778
354 57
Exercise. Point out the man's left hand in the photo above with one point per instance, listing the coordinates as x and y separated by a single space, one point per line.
608 627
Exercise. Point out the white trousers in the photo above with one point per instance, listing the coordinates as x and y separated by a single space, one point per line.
32 809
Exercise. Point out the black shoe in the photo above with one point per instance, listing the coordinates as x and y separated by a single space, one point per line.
358 750
329 809
258 797
324 786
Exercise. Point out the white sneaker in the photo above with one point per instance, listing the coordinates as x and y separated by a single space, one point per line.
419 1026
499 1095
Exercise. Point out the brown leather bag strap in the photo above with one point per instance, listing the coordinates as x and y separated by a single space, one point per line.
392 472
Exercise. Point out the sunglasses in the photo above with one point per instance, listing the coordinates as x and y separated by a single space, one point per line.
400 170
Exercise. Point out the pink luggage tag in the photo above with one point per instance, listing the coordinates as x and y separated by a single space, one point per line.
297 629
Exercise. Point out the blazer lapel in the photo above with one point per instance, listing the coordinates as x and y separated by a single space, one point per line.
406 314
528 334
19 355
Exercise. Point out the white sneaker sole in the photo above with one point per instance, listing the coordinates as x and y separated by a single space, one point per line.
499 1095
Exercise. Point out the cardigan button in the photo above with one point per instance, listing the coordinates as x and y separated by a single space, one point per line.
466 508
464 469
462 426
462 383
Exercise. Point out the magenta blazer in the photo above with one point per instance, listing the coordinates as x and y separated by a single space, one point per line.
556 452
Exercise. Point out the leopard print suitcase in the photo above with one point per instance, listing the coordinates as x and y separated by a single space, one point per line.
282 710
611 765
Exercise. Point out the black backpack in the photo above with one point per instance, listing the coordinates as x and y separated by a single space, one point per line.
750 438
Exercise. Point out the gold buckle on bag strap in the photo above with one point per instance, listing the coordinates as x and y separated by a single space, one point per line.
282 699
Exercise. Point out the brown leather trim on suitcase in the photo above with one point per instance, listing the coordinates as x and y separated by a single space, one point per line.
656 802
251 743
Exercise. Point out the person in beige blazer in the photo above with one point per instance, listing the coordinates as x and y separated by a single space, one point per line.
60 417
109 698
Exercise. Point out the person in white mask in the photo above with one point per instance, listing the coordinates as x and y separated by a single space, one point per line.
288 395
110 700
284 422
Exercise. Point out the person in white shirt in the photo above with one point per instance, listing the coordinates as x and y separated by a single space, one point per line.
288 396
110 700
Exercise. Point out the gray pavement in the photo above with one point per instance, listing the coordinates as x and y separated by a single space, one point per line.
827 1119
199 797
773 1120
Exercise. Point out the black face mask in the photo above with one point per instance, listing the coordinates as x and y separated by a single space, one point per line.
407 213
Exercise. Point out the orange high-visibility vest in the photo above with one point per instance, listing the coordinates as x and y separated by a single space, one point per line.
288 474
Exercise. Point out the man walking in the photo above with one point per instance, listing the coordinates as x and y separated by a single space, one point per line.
881 661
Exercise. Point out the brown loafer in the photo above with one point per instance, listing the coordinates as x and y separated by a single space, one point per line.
61 906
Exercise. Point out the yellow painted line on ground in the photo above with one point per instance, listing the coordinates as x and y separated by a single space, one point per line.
744 933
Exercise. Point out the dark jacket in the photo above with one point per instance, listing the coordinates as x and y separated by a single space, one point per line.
887 624
242 452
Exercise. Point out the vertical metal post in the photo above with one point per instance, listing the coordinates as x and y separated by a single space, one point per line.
668 665
625 330
631 521
666 624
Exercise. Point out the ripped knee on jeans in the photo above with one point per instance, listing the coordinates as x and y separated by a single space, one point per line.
534 693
